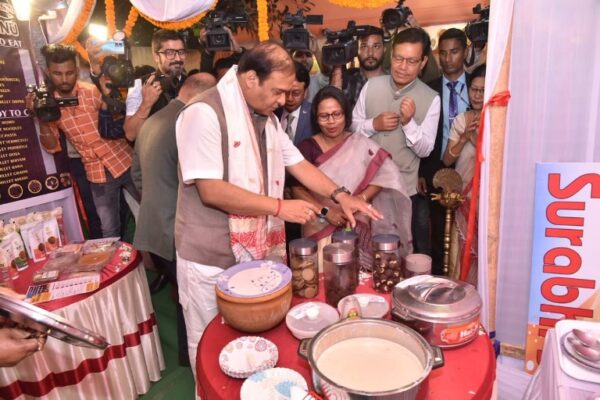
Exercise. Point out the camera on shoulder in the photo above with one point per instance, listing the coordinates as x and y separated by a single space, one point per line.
297 37
396 17
45 106
217 38
342 46
477 30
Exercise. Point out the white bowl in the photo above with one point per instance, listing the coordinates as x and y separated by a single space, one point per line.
306 319
246 355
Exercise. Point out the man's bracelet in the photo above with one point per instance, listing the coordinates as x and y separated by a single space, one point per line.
341 189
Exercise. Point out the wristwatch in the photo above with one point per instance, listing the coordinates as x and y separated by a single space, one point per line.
341 189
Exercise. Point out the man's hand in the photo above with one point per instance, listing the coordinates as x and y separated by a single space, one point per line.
352 204
336 217
151 91
407 110
93 47
386 121
104 84
15 346
29 98
422 186
298 211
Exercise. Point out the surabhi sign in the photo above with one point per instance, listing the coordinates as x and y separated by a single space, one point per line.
566 252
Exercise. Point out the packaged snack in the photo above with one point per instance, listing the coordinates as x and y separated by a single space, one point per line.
51 235
5 273
35 241
13 245
100 245
58 214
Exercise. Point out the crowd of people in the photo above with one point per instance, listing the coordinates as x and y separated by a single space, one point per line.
229 161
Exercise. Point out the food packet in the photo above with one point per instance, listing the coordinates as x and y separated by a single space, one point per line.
33 236
13 245
57 213
52 239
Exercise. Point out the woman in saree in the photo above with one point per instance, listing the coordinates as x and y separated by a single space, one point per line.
359 164
462 150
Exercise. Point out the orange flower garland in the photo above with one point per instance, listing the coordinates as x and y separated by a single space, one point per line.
362 3
81 51
131 20
177 25
263 20
81 22
110 17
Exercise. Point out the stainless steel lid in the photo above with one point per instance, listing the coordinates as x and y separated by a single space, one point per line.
386 242
338 253
344 236
303 247
436 299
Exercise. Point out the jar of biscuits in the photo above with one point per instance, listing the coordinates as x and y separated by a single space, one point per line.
305 268
340 269
387 263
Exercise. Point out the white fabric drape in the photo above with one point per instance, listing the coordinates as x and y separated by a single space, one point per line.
499 30
553 116
58 28
171 10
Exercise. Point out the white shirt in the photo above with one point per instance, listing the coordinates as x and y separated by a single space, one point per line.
199 144
134 98
284 118
419 138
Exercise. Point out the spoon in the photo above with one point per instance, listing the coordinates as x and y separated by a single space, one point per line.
587 352
587 339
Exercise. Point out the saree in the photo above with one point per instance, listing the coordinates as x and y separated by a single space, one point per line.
356 163
465 166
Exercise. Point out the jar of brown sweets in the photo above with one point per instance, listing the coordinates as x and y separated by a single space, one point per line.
387 263
340 269
305 268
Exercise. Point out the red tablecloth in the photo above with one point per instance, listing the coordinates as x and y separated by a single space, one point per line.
469 372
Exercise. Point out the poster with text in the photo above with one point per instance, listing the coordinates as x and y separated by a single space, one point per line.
26 170
565 252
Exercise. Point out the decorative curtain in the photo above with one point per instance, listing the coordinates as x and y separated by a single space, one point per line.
70 22
363 3
172 11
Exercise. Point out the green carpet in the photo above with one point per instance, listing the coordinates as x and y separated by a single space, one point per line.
176 382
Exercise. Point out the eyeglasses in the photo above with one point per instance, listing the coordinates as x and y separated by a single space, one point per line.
413 62
170 53
336 115
477 90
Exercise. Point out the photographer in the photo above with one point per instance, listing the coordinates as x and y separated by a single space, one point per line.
150 95
84 122
207 57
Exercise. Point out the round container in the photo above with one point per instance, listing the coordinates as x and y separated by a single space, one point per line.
306 319
351 238
443 310
387 262
371 305
375 368
417 264
254 296
340 269
305 267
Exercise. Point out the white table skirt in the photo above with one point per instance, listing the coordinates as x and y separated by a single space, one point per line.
122 312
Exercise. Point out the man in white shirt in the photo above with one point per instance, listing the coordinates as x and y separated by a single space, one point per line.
401 113
230 205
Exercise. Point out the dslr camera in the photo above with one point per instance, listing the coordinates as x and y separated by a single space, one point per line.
477 30
168 83
117 64
396 17
297 37
217 38
45 106
342 47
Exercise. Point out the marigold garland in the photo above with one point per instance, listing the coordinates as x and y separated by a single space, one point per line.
81 51
81 22
263 20
177 25
110 17
131 20
361 3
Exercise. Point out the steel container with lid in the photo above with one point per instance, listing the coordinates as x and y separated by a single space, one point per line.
305 267
387 262
444 310
340 269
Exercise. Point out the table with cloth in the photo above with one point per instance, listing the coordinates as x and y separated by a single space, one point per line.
121 311
469 371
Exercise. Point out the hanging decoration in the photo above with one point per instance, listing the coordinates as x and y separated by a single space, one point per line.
110 17
131 20
173 15
263 20
174 25
76 19
362 3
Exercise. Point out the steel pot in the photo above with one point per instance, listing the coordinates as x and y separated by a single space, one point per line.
371 328
443 310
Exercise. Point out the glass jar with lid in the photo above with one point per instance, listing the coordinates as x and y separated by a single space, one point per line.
387 262
349 237
340 268
305 267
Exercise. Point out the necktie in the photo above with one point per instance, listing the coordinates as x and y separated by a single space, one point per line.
453 103
288 128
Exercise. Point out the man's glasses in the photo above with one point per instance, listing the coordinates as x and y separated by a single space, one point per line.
336 115
170 53
413 62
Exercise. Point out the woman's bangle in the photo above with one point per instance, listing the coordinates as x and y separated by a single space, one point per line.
451 153
278 208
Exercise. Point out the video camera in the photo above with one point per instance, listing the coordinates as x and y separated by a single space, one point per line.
341 47
297 37
477 30
217 38
45 106
396 17
117 64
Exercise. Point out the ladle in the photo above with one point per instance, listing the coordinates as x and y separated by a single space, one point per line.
587 339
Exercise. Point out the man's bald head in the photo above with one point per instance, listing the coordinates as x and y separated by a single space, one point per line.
266 58
195 84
